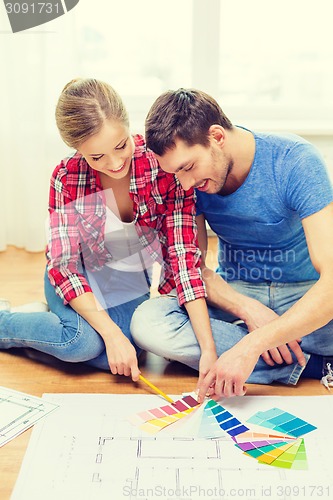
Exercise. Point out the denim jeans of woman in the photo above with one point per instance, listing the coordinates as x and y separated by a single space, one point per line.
62 332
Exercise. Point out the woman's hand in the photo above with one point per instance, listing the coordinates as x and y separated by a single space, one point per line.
207 360
122 356
120 352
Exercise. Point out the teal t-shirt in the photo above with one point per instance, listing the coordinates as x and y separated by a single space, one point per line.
259 226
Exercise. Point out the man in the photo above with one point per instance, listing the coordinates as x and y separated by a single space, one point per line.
269 200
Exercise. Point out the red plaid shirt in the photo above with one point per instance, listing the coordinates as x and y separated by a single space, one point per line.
164 216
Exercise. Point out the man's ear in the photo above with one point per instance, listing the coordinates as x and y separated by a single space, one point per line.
217 134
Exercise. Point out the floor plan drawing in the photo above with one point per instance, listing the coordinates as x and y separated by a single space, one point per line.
19 411
88 450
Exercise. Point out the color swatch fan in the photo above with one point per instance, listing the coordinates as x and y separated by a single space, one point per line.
272 437
282 445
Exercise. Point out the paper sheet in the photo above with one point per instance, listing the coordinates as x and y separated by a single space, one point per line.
19 411
88 450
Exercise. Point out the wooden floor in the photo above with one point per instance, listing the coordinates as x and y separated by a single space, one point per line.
22 281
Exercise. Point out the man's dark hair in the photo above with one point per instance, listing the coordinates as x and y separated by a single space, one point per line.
185 114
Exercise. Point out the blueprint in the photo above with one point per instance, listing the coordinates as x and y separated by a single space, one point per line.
19 411
89 450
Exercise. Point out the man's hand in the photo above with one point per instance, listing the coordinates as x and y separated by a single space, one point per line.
282 354
255 314
229 373
258 315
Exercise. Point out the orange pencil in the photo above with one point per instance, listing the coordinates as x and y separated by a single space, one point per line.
158 391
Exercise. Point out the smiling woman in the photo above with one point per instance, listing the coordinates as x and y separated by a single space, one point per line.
92 119
113 212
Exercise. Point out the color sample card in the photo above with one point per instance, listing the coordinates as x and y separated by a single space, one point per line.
253 436
156 425
287 459
226 421
262 450
209 426
172 409
272 455
300 462
156 419
282 421
259 444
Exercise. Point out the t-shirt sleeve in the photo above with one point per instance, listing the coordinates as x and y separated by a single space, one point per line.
306 186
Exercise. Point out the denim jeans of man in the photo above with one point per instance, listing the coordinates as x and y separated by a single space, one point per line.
62 332
162 327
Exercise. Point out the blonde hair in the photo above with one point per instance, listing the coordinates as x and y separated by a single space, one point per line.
82 108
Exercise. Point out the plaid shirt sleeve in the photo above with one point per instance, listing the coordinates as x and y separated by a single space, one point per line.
63 250
182 241
167 209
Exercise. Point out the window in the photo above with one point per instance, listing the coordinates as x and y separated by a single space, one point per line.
276 58
267 62
140 48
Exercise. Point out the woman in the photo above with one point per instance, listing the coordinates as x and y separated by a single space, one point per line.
112 214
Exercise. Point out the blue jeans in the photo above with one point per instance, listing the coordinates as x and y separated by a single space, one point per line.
174 338
62 332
